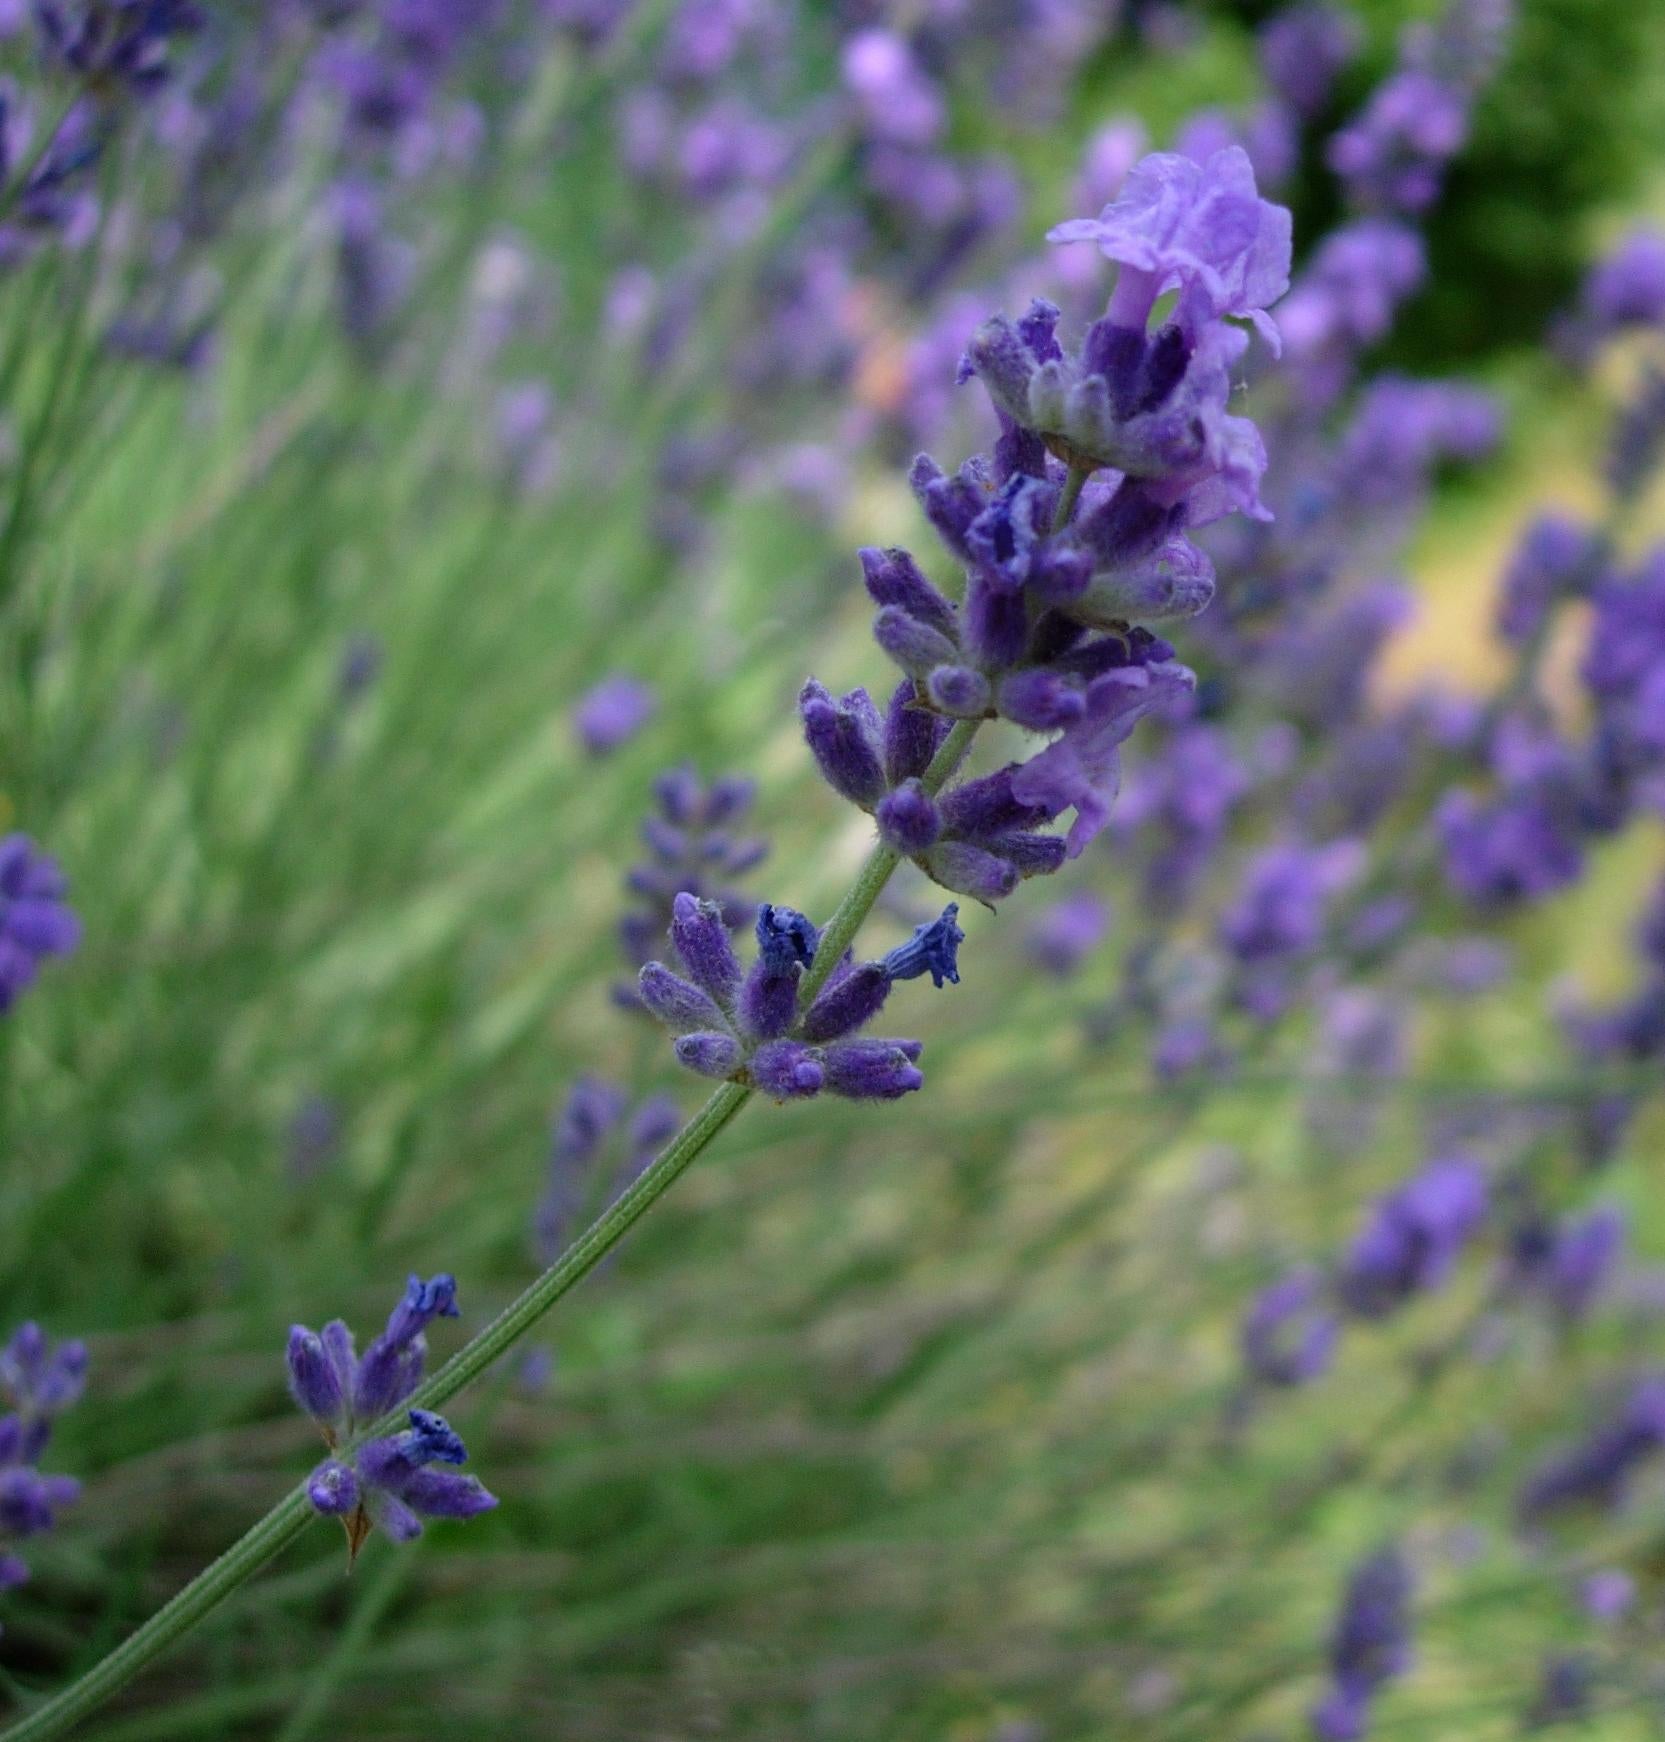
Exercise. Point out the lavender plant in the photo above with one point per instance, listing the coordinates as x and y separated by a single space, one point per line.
1323 893
1042 638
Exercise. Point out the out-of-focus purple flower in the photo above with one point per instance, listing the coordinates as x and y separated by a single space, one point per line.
375 268
115 43
1176 806
1597 1470
1608 1595
1288 1336
597 1150
583 1127
1283 899
897 101
692 848
1569 1262
524 445
1414 1237
1393 156
1524 841
1564 1691
1626 288
1348 293
36 920
1371 1645
1402 428
611 713
361 664
1557 558
1062 936
314 1136
40 1380
1638 438
1303 49
1266 134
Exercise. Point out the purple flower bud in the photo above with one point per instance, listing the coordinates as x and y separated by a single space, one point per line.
872 1070
996 625
847 740
895 579
438 1494
969 870
313 1377
914 644
682 1007
913 735
950 504
711 1055
960 691
786 1070
434 1440
701 938
847 1003
908 819
333 1488
978 809
421 1304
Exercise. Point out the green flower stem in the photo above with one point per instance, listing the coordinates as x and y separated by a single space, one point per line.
291 1515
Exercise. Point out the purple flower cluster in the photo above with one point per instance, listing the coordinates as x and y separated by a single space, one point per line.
1370 1647
1414 1237
387 1481
1074 528
40 1380
692 850
747 1027
1598 1470
597 1124
1393 157
1409 1245
115 45
36 920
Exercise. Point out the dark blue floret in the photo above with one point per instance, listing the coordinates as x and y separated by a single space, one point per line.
784 938
931 950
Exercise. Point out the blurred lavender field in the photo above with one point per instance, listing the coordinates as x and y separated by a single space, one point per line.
438 441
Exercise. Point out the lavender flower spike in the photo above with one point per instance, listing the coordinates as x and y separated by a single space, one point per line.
40 1380
35 919
342 1391
759 1037
384 1482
